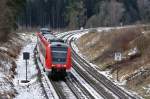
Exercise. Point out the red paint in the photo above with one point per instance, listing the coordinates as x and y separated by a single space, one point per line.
48 57
69 62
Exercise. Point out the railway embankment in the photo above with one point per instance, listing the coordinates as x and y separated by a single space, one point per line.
9 51
99 47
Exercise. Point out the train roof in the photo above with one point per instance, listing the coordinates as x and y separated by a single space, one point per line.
56 40
49 36
45 31
60 44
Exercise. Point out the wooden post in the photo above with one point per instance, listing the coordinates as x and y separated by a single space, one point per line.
118 58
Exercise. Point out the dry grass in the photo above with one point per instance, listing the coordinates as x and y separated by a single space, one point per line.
8 53
103 45
139 87
13 47
99 48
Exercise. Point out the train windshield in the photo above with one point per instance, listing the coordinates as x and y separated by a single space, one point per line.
59 55
45 32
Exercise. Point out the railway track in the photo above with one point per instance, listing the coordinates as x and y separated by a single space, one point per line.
63 90
68 89
49 84
78 89
101 80
93 82
46 85
72 88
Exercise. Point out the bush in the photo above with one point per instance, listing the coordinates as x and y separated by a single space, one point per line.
5 20
123 38
8 9
93 30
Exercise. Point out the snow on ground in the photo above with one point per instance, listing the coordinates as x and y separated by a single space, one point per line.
49 88
79 34
105 73
107 90
86 85
67 92
147 88
80 79
3 48
33 89
5 85
7 65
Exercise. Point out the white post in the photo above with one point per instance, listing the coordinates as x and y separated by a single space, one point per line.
118 57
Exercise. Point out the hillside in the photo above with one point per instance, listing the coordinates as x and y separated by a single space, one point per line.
9 51
134 44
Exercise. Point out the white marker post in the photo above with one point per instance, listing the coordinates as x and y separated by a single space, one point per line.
118 58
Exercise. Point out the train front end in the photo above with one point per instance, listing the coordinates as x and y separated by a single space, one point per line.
61 59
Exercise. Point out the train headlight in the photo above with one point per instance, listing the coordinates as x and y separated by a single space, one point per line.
53 65
65 65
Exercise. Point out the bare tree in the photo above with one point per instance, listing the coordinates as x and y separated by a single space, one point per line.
144 10
5 18
115 10
110 14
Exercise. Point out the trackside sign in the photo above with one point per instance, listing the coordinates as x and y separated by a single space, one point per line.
118 56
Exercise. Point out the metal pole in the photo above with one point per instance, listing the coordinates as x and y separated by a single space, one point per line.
26 70
117 73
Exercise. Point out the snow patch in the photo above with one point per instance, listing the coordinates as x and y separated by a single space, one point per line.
105 73
33 89
147 88
86 85
3 48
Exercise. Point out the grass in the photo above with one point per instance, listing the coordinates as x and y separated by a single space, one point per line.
146 97
99 48
13 46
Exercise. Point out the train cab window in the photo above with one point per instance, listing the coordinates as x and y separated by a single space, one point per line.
45 31
59 55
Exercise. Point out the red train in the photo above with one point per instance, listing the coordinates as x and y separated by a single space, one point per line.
54 54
